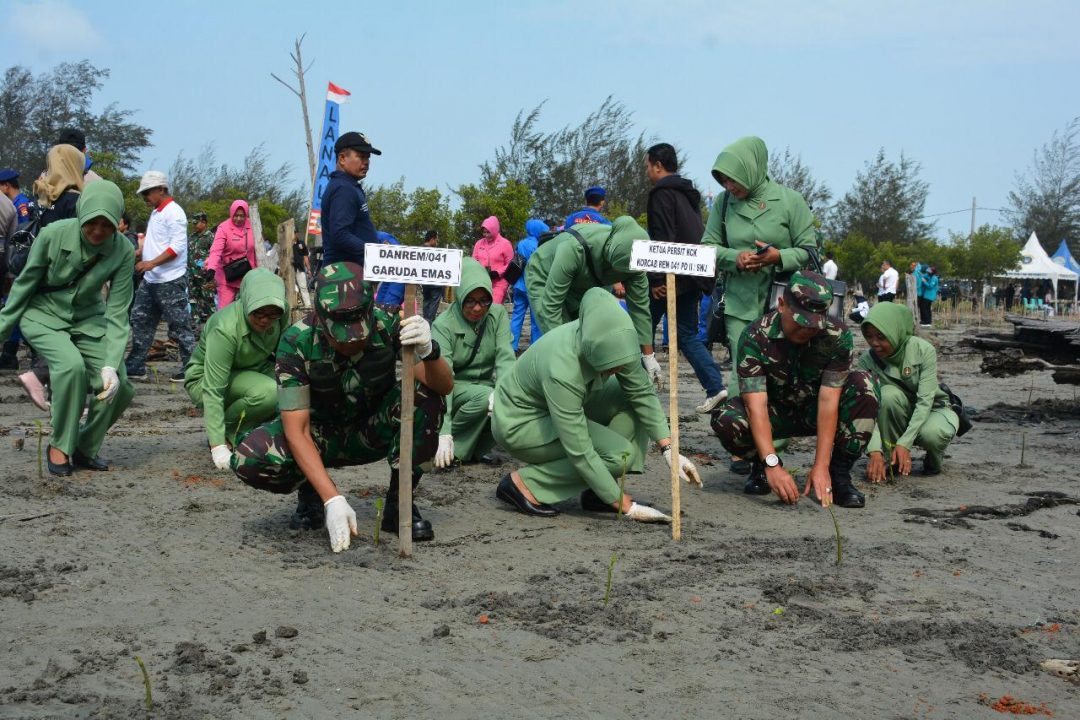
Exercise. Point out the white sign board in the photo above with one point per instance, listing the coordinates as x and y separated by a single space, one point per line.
675 258
412 265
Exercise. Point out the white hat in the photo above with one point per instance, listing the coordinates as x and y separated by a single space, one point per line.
151 180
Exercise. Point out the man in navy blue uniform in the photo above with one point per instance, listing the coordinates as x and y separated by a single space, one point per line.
593 210
9 185
346 222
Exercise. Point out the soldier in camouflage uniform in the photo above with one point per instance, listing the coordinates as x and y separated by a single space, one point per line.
201 288
339 404
795 380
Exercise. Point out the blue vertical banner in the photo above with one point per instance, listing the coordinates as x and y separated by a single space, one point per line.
335 96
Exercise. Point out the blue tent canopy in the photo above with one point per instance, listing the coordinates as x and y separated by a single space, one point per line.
1064 257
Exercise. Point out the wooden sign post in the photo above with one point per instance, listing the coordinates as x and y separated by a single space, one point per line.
413 266
673 259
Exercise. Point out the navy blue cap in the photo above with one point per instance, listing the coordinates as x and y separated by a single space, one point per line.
8 174
596 190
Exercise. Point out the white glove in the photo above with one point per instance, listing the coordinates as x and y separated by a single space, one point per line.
416 331
652 368
644 513
491 404
222 455
340 522
444 456
687 470
110 382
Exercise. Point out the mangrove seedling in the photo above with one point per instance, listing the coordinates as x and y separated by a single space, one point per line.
1023 446
622 485
839 538
610 570
146 683
154 372
239 423
40 433
378 519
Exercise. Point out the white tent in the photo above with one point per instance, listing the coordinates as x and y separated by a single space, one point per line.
1035 264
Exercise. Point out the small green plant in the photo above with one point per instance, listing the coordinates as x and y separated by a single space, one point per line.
1031 389
1023 447
622 484
154 372
146 683
40 434
610 571
378 519
839 538
239 423
891 467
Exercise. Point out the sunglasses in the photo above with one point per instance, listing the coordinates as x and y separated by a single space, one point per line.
469 302
274 314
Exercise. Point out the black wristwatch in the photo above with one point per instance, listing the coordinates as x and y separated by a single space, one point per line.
435 354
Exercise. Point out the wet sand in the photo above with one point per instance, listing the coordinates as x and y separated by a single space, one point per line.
951 592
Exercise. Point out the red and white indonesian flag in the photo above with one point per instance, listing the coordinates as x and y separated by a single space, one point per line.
336 94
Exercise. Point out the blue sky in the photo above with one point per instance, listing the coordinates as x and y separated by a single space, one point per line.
969 89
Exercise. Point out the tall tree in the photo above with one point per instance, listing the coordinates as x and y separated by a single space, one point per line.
35 108
1047 197
558 166
886 203
789 171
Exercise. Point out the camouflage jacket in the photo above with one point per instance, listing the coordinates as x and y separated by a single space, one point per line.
198 252
338 390
792 374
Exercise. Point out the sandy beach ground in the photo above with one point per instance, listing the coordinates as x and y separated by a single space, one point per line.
951 592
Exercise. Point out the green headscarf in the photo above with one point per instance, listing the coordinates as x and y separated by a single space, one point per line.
473 276
896 323
260 288
746 161
624 231
608 339
99 199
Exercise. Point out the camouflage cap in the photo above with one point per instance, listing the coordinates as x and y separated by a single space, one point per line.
809 296
343 301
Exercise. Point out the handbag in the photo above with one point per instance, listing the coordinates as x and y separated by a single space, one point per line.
958 407
516 268
236 269
18 247
780 282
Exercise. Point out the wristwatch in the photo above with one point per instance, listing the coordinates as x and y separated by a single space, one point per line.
773 460
435 354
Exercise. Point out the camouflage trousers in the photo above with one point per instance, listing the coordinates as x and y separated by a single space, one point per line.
203 295
154 301
859 399
263 459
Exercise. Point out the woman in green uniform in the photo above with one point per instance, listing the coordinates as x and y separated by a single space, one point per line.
758 228
231 373
476 342
58 302
914 409
579 408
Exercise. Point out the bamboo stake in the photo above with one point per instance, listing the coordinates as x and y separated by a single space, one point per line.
673 408
408 399
286 237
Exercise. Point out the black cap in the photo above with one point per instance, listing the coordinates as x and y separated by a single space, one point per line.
74 137
356 141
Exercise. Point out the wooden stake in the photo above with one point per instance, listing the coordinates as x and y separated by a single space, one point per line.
673 408
286 237
408 398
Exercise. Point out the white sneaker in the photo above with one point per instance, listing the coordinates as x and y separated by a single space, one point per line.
711 402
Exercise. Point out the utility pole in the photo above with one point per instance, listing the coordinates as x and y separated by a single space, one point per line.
299 71
972 217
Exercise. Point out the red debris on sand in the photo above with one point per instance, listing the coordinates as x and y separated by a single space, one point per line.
483 619
1012 706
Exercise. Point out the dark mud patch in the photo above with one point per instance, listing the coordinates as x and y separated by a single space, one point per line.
28 583
781 588
1039 500
1043 410
271 537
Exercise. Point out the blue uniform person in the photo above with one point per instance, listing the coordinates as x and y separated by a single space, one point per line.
526 246
593 212
346 222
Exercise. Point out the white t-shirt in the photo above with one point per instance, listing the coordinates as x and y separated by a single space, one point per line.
830 269
167 228
887 282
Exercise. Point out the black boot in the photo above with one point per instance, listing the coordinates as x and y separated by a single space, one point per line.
844 492
8 357
310 513
421 528
756 484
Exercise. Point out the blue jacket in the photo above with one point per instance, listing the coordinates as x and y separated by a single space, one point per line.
930 285
389 293
346 224
585 215
527 246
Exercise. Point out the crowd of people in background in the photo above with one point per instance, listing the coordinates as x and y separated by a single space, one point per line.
289 393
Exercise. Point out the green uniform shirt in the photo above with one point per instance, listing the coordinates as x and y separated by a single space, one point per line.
338 390
770 213
558 274
198 252
457 337
228 345
792 374
56 258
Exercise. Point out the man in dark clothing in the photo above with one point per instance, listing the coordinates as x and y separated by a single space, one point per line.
346 223
301 261
674 212
433 294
